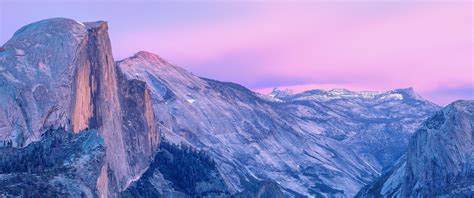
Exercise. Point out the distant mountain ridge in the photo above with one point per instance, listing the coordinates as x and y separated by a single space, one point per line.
333 94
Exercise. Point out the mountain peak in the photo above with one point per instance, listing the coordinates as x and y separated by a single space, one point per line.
409 90
280 93
408 93
148 56
49 26
52 22
50 34
462 105
102 25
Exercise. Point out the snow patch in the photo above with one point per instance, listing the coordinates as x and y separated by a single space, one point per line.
276 92
19 52
43 67
393 96
80 23
10 77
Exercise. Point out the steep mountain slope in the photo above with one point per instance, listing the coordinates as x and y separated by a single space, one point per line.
177 171
439 160
60 72
309 146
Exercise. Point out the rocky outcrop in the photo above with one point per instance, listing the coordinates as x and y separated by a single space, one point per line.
60 72
439 159
317 143
60 164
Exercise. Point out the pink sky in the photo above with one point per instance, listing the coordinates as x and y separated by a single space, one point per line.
359 45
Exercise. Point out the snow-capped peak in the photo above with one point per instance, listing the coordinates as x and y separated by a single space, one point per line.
279 93
408 93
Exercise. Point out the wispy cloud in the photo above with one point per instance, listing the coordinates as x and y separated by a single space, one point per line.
447 94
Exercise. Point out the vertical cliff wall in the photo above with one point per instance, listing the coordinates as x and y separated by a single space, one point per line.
96 102
62 72
119 108
139 127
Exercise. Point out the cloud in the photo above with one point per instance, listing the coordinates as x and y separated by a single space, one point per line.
447 94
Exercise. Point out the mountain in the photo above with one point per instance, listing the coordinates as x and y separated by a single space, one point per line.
439 160
315 143
167 132
60 72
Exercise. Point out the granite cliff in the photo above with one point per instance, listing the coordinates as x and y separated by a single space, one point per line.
439 160
60 72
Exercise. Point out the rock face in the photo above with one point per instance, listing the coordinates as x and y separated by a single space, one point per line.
318 143
439 159
60 72
37 69
61 164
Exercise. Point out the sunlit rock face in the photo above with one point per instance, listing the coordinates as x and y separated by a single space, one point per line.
60 72
317 143
439 159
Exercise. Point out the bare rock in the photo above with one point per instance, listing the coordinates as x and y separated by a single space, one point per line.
439 159
60 72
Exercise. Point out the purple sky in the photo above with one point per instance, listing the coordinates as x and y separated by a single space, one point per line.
359 45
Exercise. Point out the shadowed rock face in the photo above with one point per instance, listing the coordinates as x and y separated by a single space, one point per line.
439 159
60 164
179 171
60 72
140 133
